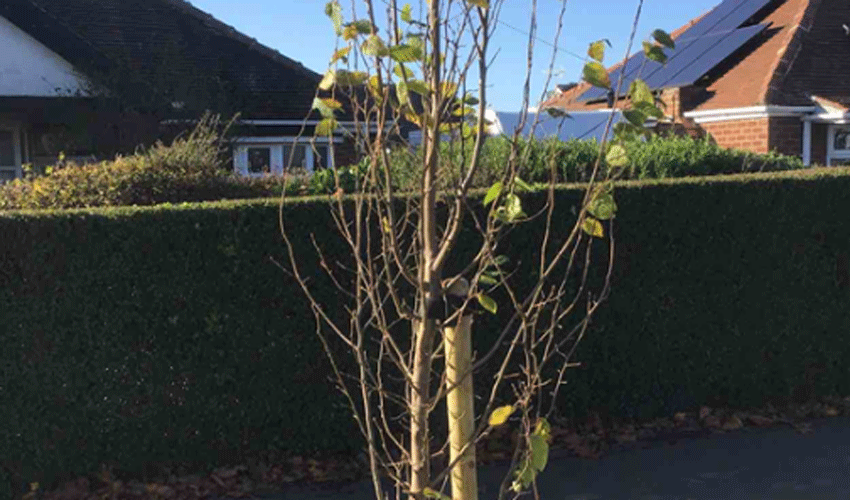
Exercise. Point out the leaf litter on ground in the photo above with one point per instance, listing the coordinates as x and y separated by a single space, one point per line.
588 438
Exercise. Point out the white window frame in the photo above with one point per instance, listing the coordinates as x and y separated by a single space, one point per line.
276 146
831 152
16 145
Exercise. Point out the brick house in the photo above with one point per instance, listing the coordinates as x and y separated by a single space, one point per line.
760 75
91 78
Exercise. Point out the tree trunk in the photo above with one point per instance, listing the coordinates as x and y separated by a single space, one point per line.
420 451
459 401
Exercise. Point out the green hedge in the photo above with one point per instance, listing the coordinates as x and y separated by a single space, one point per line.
659 157
193 169
143 335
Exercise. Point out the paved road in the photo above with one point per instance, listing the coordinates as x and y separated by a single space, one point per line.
765 464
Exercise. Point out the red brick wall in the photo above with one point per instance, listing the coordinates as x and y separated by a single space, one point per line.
786 136
751 135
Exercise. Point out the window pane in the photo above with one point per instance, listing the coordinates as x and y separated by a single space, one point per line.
7 148
259 160
320 157
842 139
299 160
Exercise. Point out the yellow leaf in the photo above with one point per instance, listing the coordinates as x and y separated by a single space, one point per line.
500 415
593 227
488 303
596 50
484 4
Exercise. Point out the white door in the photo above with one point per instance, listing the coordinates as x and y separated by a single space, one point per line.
10 153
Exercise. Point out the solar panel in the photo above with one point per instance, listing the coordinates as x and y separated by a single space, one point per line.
727 16
581 125
706 55
700 57
720 21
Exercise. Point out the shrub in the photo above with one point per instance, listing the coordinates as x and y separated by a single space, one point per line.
189 169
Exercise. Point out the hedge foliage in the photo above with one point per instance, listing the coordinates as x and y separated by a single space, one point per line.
193 168
154 334
659 157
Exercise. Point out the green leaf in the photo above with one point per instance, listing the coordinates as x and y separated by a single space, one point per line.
429 493
326 127
513 207
603 207
543 429
406 13
593 227
402 93
524 186
470 100
596 75
635 117
326 106
401 71
524 477
501 260
488 303
625 131
596 51
493 193
649 110
405 53
535 459
617 156
374 46
654 53
539 452
334 12
500 415
640 93
351 78
418 86
487 280
664 39
363 26
484 4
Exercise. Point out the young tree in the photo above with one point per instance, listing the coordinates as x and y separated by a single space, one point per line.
411 297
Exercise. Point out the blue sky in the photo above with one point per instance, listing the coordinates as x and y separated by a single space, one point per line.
300 30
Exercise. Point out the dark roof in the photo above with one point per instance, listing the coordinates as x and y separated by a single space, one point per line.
805 51
184 51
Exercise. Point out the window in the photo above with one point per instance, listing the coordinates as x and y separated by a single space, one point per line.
9 155
259 160
839 145
257 156
841 139
295 156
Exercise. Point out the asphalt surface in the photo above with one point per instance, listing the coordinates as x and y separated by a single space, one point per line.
751 464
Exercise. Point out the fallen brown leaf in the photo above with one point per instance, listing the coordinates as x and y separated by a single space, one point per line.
760 421
733 423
